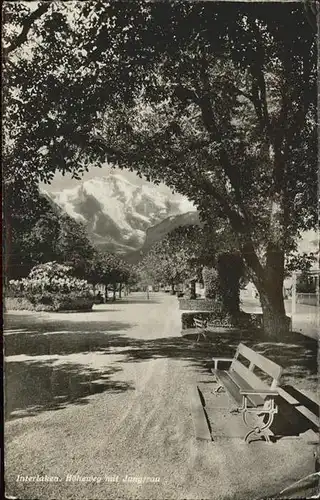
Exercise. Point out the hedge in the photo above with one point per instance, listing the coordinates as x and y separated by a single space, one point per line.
198 305
50 302
242 321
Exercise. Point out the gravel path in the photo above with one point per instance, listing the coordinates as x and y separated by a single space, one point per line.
98 408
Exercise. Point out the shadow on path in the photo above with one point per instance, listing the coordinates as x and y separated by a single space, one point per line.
296 354
64 342
35 386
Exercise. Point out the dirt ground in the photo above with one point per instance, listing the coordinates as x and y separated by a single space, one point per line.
97 407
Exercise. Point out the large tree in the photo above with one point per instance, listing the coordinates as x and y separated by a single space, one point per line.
216 100
37 231
166 263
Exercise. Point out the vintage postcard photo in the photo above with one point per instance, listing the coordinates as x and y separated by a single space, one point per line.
161 250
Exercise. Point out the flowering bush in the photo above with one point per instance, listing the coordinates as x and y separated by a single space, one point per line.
50 277
52 287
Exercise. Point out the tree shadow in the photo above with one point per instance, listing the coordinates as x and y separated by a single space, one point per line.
35 386
295 353
298 356
61 343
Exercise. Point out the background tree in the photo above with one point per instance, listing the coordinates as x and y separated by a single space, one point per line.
38 232
167 263
73 245
183 254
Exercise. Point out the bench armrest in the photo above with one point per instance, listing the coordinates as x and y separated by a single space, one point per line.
224 360
268 392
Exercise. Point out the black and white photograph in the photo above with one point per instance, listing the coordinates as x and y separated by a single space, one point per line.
161 190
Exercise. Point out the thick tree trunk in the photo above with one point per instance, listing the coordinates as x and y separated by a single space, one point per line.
106 293
271 295
275 322
120 290
269 282
114 292
192 290
230 269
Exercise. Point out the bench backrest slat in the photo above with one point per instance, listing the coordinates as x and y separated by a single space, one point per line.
256 360
252 379
200 323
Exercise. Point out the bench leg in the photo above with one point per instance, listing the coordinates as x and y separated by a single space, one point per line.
218 389
199 336
259 431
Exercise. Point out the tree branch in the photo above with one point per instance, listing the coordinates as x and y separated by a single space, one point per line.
27 25
209 121
259 91
235 218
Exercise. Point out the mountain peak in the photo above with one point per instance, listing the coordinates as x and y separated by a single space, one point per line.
116 212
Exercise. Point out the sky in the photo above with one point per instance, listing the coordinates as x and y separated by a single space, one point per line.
61 182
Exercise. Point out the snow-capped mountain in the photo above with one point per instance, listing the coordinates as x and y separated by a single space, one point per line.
116 212
160 231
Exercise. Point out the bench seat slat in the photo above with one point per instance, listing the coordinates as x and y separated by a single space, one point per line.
242 384
234 384
230 385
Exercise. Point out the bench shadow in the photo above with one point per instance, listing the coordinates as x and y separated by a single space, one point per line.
289 421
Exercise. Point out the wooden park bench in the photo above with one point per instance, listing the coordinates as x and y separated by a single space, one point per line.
201 326
256 395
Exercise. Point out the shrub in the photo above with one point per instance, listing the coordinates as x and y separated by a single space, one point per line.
62 301
51 287
58 302
242 321
18 304
73 302
50 277
40 298
199 304
211 283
